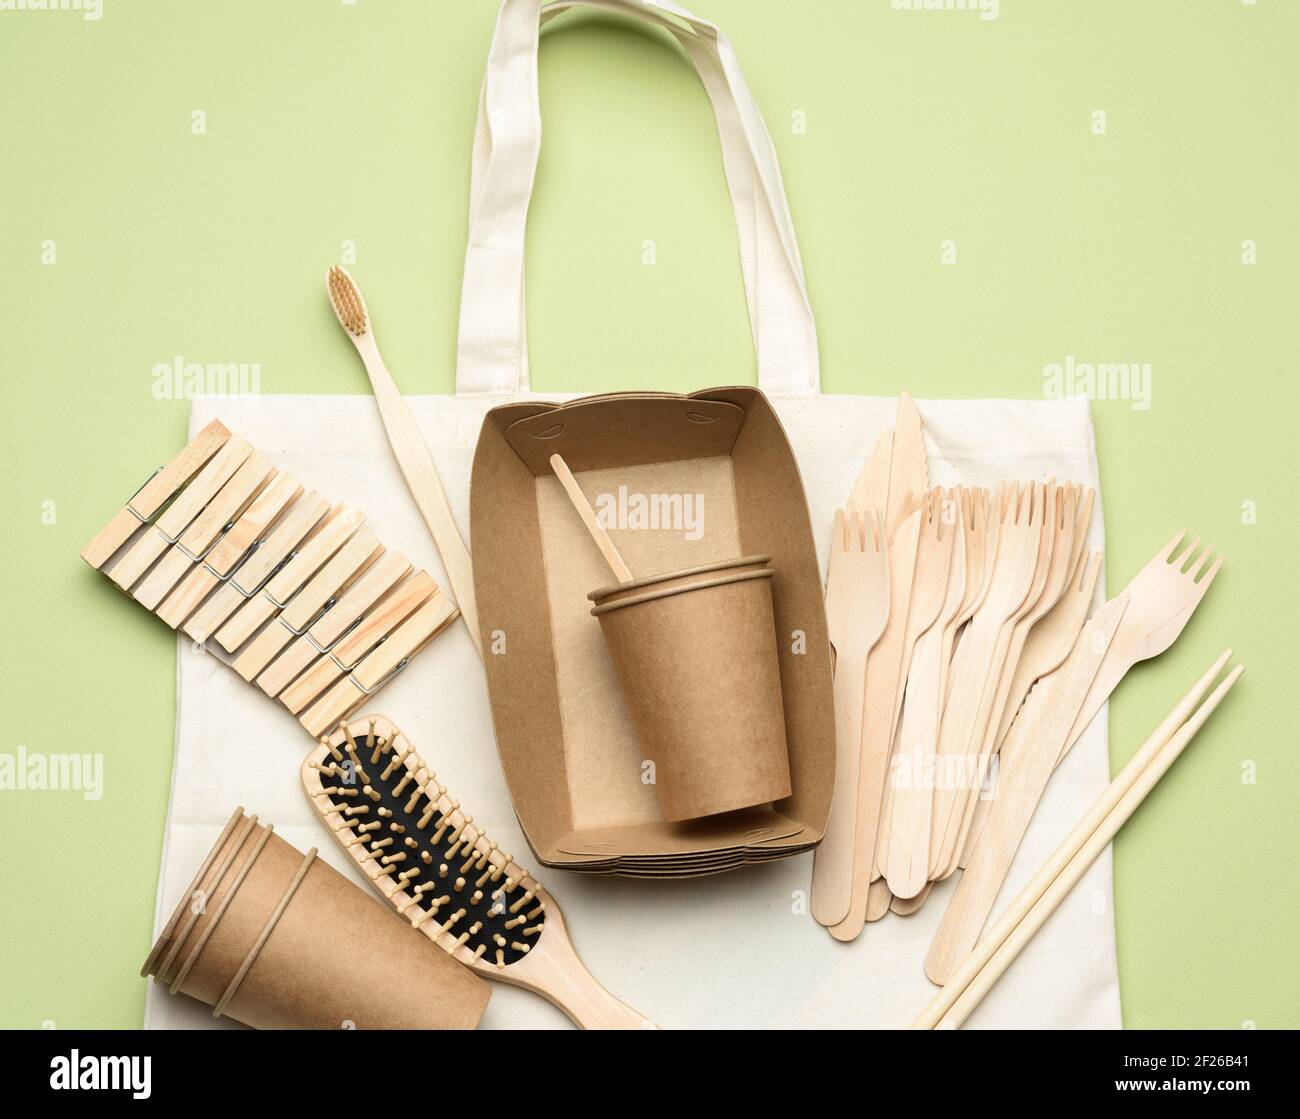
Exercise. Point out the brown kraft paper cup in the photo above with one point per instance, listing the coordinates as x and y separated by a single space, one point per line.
277 939
695 651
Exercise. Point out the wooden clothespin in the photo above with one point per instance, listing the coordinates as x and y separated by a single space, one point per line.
244 537
334 531
158 489
167 529
375 582
374 629
381 665
248 579
317 598
205 531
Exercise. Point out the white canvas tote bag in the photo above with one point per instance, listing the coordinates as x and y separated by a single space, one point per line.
738 950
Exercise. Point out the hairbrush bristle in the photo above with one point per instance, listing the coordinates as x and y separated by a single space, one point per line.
346 301
447 876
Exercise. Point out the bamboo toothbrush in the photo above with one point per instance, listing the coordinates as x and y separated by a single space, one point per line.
408 446
437 869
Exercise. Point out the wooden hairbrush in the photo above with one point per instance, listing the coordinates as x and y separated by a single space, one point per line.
435 867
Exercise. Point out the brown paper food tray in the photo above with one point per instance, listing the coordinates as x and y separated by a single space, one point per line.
687 866
697 868
571 759
780 848
783 838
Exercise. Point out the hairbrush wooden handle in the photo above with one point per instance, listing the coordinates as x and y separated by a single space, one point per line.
553 970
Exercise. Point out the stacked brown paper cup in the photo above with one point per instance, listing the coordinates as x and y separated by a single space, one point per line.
696 653
277 939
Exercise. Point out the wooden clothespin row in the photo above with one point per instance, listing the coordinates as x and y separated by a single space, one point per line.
336 623
206 531
296 593
385 661
245 535
374 629
335 531
273 551
316 599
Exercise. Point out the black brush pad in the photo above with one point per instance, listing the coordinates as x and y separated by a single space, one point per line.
491 911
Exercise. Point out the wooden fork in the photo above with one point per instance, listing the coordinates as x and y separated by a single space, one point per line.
1049 710
981 651
1060 558
1162 597
857 605
880 715
1052 637
906 859
980 549
1049 643
1055 553
929 584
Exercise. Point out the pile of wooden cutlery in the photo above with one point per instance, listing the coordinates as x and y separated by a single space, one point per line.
968 661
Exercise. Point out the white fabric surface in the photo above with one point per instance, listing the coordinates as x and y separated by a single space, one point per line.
735 950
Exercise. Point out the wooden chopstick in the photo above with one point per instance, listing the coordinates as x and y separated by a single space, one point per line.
1067 864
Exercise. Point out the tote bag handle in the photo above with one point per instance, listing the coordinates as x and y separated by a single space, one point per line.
492 349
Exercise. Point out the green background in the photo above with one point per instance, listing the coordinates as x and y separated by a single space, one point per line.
330 122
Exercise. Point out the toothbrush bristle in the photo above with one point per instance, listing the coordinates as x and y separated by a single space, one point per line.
346 301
